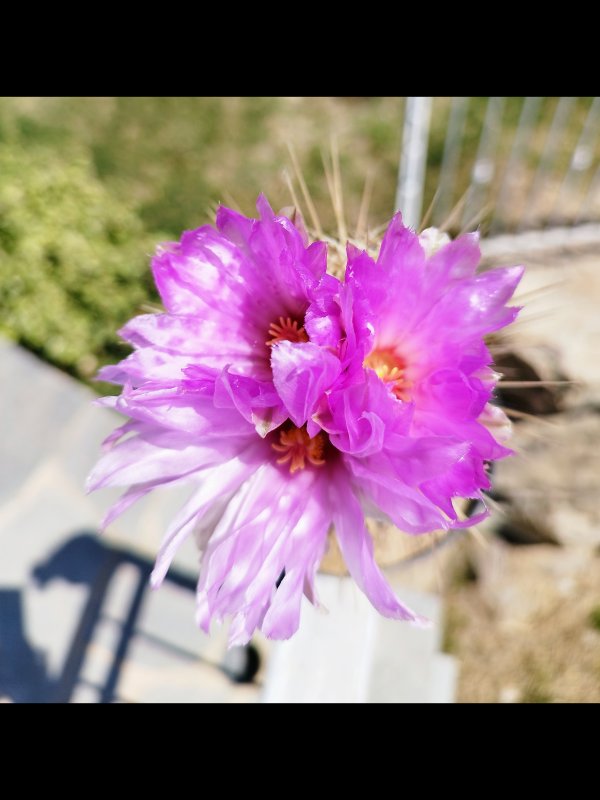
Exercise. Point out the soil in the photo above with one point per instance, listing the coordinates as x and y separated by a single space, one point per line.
523 607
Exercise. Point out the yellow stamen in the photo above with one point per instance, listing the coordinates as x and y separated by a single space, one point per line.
297 447
286 330
390 367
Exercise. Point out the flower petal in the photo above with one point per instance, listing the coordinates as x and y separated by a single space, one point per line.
306 548
454 261
474 307
406 506
449 392
356 545
159 457
216 483
359 417
250 548
192 412
302 373
257 401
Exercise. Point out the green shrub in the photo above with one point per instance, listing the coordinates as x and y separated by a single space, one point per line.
73 259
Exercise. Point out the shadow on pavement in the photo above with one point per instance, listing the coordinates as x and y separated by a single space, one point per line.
23 676
83 560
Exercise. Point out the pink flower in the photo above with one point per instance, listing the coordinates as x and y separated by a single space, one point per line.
293 403
409 332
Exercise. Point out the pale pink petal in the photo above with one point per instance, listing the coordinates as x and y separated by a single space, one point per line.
215 483
356 545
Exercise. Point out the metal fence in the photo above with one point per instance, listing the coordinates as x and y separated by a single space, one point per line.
506 164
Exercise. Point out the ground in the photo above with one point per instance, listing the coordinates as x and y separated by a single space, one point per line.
524 619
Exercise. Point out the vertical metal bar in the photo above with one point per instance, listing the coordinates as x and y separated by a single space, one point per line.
522 138
452 148
561 116
484 167
413 161
581 160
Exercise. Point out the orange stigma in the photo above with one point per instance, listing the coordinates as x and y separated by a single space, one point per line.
390 367
297 448
286 330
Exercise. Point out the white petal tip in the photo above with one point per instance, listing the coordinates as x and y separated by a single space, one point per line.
156 578
421 622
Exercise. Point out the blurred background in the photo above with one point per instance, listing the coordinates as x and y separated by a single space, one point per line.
89 186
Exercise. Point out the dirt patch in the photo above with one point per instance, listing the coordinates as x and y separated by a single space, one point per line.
524 619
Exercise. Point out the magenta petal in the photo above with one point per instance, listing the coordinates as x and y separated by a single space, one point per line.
323 321
402 264
358 417
356 545
450 392
186 335
190 412
247 533
306 548
315 260
400 247
183 340
456 260
274 253
143 365
301 374
479 438
496 421
406 506
177 290
196 274
257 401
476 306
414 460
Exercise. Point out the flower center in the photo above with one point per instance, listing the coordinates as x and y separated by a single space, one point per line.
286 330
297 447
390 367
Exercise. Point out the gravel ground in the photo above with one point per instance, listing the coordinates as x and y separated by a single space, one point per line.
524 619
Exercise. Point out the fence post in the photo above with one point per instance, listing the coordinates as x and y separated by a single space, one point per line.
413 161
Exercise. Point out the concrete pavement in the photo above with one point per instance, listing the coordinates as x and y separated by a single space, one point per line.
78 621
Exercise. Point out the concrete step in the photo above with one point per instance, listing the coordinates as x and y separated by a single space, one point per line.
352 654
